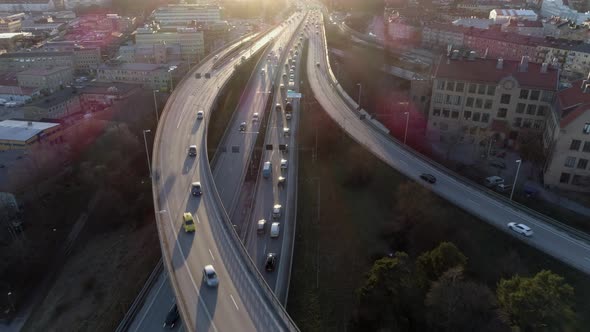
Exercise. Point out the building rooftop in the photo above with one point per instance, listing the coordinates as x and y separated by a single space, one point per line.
523 24
508 37
17 90
54 99
135 66
485 70
114 88
514 12
43 71
9 35
33 54
17 130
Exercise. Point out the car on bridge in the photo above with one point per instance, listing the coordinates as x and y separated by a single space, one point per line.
243 126
276 211
188 223
271 262
196 189
200 115
428 177
274 230
210 276
283 163
261 226
521 229
192 151
172 317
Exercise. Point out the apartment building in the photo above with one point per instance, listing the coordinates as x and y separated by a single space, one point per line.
56 106
573 56
10 25
50 79
190 40
87 59
183 14
27 6
494 43
567 139
474 99
73 4
22 135
150 76
440 36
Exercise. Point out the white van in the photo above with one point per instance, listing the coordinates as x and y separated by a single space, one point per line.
266 169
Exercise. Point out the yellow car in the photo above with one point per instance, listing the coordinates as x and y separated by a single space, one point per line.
189 223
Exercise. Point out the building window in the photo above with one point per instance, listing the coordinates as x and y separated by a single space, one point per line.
586 147
485 117
527 123
520 107
524 94
531 109
505 99
446 113
460 86
570 161
481 89
491 90
450 86
586 129
472 87
547 96
448 99
538 124
469 102
488 104
476 116
535 94
467 116
541 110
502 112
436 112
518 122
478 103
575 145
454 114
564 178
582 163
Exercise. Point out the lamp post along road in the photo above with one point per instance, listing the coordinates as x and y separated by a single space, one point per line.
147 154
156 105
360 92
406 131
515 178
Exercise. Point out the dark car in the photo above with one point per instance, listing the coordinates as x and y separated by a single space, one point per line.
172 317
271 260
498 164
198 75
207 75
428 178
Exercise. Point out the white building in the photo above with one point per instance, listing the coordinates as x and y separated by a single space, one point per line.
551 8
181 15
503 15
190 40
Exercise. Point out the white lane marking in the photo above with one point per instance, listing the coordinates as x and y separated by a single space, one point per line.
234 301
180 118
189 274
151 303
211 253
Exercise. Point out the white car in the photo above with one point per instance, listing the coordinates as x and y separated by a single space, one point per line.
274 229
210 277
276 211
255 117
283 163
521 229
200 115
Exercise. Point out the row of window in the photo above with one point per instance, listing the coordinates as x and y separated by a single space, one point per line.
532 109
528 123
576 143
481 89
577 180
467 115
571 162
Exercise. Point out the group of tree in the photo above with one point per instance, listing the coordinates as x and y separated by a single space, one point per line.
435 293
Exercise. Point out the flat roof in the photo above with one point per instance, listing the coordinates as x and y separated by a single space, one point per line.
43 71
17 130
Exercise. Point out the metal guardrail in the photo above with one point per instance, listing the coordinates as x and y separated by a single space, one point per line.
517 206
155 169
139 300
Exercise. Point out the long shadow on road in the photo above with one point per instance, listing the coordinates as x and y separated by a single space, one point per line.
184 240
206 307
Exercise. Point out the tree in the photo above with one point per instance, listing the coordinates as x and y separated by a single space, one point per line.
388 295
542 302
413 203
431 265
454 304
531 148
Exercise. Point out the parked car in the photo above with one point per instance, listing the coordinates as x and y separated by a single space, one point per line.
198 75
172 317
493 181
498 164
428 177
520 229
207 75
210 276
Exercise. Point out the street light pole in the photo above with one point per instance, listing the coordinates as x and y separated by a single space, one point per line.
406 131
147 154
515 177
156 105
360 91
10 301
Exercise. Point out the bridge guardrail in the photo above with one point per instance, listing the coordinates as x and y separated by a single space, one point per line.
514 205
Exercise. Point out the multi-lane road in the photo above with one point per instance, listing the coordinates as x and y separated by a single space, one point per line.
553 241
240 302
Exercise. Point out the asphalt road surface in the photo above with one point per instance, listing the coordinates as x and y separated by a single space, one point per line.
555 242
